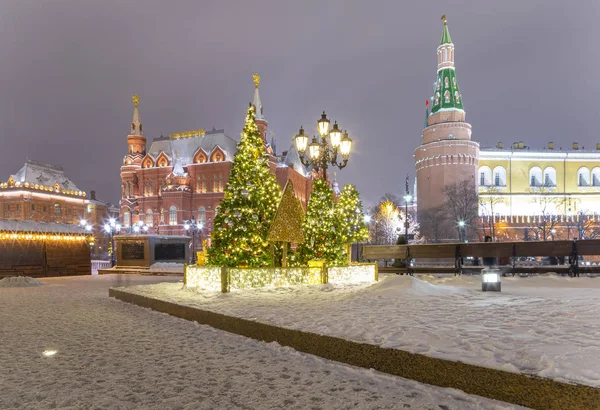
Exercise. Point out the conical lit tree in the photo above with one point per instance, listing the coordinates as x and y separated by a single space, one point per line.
248 207
321 228
350 214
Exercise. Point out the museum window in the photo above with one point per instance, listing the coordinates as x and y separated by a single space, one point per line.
485 176
583 177
149 217
499 176
596 176
535 177
549 177
57 209
173 215
126 219
447 96
202 215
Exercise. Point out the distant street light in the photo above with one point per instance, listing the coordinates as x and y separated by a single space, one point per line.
407 199
111 228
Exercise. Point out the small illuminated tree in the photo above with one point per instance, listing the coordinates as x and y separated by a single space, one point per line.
351 218
321 228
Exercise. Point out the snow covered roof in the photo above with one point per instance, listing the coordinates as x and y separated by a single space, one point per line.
45 227
44 174
186 147
292 159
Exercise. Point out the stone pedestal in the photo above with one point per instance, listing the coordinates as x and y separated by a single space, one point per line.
141 251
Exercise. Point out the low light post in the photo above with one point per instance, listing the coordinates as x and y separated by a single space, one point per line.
461 231
111 228
192 227
323 153
140 227
88 228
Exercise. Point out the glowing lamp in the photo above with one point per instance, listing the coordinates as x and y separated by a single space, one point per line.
107 228
314 149
186 226
145 228
335 135
323 124
83 222
118 227
88 227
112 221
345 146
490 280
301 140
407 197
136 229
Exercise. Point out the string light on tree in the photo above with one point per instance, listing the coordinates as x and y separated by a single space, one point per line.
321 228
248 207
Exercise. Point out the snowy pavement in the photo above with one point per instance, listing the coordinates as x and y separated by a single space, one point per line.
548 326
113 355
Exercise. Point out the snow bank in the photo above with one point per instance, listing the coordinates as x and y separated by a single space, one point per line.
544 325
19 282
167 267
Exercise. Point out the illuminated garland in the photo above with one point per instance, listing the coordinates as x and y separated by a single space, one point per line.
42 237
210 278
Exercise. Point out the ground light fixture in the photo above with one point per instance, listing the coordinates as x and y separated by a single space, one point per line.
490 280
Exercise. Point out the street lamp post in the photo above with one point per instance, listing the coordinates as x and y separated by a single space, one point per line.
192 227
407 199
322 153
88 228
111 228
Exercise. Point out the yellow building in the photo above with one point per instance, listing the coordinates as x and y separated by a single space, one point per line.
553 188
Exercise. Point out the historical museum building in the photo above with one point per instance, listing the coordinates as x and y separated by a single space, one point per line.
45 194
184 175
524 193
447 155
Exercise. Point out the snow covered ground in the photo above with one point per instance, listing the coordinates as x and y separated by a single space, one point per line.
548 326
110 354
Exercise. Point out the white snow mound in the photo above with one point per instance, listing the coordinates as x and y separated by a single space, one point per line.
19 282
169 267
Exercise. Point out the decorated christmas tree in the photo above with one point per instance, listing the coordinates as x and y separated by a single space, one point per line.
321 228
351 217
287 224
247 210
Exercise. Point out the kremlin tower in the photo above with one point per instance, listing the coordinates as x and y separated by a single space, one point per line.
446 155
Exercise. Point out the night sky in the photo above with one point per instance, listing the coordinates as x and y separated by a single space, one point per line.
527 71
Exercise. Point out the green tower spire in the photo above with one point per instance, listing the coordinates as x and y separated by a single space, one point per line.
446 96
445 34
